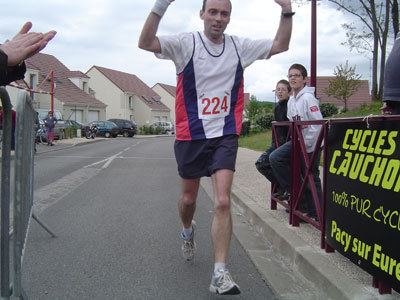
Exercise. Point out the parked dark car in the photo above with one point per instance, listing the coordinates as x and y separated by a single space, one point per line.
105 128
76 125
127 128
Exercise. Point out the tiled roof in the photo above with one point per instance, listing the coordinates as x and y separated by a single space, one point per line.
130 83
65 91
74 74
362 95
169 88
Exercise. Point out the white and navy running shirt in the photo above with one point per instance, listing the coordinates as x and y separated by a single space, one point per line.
209 93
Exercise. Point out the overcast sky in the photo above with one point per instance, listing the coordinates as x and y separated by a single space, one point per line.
105 33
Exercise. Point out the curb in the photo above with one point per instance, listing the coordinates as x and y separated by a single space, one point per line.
311 263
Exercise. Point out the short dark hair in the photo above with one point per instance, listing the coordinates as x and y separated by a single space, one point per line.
205 2
299 67
285 82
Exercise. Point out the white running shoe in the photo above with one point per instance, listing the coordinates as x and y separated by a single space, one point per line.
188 244
222 283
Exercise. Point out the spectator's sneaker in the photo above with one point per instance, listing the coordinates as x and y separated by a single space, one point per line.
278 192
285 196
222 283
188 244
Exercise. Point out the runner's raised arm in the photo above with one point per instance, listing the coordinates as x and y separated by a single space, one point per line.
148 39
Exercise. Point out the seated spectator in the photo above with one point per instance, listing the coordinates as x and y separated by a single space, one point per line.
282 91
302 106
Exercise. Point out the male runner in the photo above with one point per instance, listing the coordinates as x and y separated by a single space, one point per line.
209 106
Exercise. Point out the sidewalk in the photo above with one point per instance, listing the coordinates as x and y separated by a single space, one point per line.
332 273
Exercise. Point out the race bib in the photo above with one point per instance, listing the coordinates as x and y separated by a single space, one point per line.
214 105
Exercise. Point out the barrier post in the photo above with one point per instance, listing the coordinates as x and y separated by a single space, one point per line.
5 194
23 186
275 200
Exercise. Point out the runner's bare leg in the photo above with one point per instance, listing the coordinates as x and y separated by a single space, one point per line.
221 228
187 200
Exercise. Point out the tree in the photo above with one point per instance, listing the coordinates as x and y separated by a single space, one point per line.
374 16
345 84
370 33
395 17
255 108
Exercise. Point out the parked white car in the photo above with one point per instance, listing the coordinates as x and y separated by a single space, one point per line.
167 127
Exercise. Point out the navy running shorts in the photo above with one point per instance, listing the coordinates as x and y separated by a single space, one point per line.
203 157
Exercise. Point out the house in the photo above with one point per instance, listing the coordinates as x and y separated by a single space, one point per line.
362 95
167 93
127 97
71 91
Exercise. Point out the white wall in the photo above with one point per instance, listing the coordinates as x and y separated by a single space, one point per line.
167 99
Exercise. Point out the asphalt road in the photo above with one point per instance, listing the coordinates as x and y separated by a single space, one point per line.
113 206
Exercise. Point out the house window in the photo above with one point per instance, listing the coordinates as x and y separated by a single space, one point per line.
156 100
147 99
84 86
130 102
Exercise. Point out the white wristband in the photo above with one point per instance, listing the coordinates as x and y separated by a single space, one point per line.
160 7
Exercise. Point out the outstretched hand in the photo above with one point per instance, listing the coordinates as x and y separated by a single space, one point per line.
285 4
25 44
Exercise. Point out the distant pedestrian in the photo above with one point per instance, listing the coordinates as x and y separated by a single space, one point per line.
282 91
50 122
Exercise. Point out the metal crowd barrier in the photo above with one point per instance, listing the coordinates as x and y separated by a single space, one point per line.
23 190
5 193
301 178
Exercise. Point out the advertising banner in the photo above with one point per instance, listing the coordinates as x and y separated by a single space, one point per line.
362 196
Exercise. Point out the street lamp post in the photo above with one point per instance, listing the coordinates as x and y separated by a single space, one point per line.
313 73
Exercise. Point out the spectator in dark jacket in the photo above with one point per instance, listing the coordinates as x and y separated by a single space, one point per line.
22 46
391 85
282 91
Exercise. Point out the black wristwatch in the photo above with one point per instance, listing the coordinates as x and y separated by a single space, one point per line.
288 14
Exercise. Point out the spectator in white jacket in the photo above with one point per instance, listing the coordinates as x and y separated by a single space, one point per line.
302 106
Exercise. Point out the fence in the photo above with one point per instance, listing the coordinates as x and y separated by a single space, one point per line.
361 176
300 178
23 190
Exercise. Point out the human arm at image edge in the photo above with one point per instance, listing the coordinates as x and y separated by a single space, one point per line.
284 32
148 39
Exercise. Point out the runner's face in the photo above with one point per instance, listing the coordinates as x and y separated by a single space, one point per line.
282 92
296 80
216 17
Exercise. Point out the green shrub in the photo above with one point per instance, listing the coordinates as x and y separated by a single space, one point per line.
144 130
328 109
245 128
156 130
264 121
